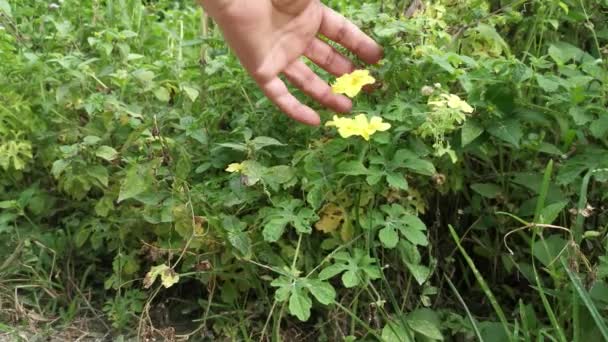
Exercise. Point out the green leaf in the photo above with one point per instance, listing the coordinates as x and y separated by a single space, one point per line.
262 142
352 168
549 84
470 131
107 153
99 173
599 127
284 285
397 181
417 237
144 76
300 304
425 322
58 167
421 166
546 251
274 229
562 52
350 279
580 116
395 332
191 93
331 271
8 204
550 213
162 94
322 291
509 131
6 8
389 237
133 185
82 236
420 273
240 241
487 190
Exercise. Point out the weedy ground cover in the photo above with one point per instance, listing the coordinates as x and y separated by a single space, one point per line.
148 189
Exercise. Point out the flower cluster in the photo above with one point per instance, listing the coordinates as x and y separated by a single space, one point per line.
452 101
351 84
359 125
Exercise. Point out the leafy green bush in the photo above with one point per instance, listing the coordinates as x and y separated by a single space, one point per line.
145 182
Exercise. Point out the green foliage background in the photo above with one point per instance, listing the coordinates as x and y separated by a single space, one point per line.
119 117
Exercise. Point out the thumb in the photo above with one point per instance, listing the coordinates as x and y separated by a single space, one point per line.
292 7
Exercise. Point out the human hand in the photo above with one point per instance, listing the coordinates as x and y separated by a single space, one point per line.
270 36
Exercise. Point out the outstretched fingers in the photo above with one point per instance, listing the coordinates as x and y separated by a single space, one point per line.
328 58
278 93
339 29
301 76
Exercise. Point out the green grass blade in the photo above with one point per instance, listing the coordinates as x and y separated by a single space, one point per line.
466 309
584 295
484 286
540 204
582 204
543 297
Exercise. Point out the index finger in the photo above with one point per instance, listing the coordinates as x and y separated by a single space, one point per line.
278 93
339 29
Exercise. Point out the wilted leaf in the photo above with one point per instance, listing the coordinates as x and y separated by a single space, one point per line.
167 275
332 217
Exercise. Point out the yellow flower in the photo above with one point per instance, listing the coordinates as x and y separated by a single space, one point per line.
235 167
454 102
359 125
351 84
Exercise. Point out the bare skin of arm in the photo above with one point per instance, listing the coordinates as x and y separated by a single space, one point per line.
271 36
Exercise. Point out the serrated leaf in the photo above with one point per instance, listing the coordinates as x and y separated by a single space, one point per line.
107 153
